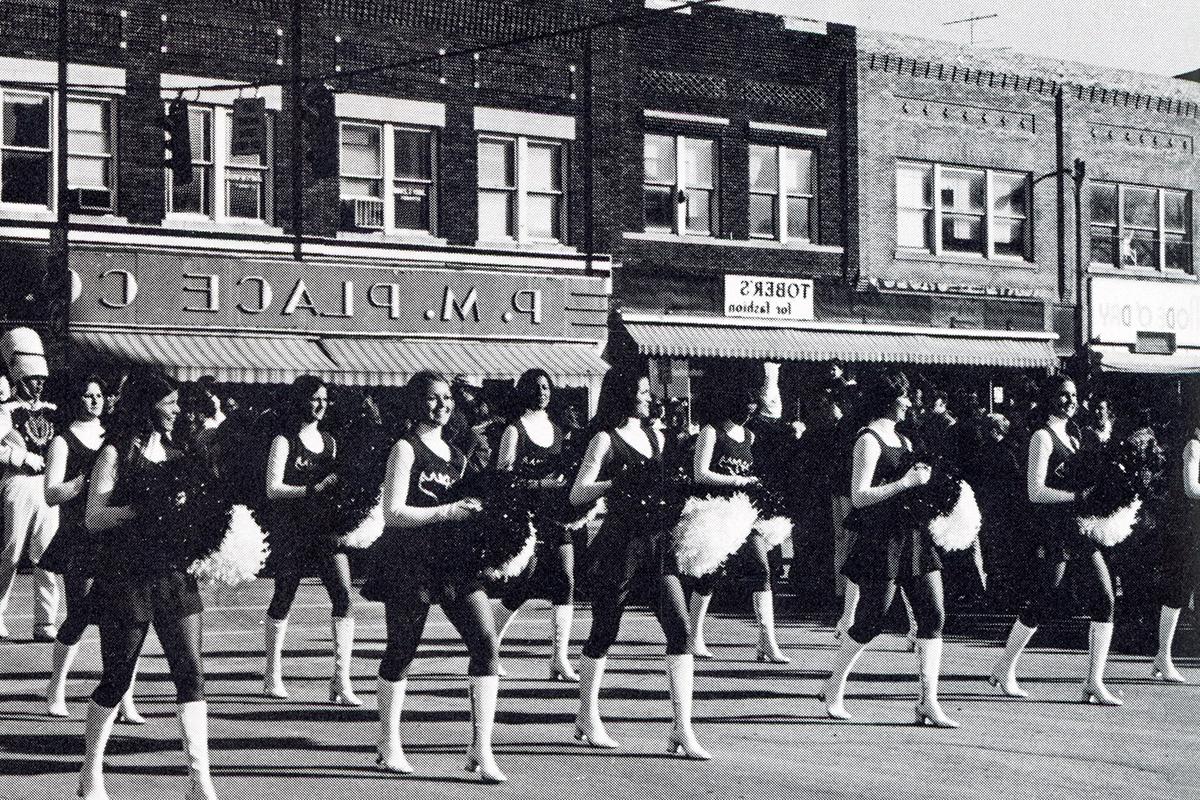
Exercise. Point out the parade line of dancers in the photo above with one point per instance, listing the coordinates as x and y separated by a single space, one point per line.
125 504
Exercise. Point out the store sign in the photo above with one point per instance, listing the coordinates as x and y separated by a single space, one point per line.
939 287
1121 308
768 298
216 292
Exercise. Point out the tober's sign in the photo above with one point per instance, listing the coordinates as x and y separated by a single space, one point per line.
200 291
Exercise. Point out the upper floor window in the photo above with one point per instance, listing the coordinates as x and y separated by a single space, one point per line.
962 210
388 178
224 187
781 193
680 185
27 151
1140 226
522 194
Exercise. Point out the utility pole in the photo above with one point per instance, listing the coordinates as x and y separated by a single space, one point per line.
56 283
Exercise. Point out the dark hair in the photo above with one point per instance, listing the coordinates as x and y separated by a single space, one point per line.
414 393
525 393
1048 393
133 420
296 400
618 395
731 404
78 387
880 392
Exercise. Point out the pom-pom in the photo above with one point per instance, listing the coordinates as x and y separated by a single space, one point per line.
501 537
583 516
1113 528
774 523
958 528
774 530
1114 480
710 530
366 533
517 564
648 498
240 557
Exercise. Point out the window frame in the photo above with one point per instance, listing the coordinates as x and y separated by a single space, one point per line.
389 183
218 168
782 195
990 215
680 186
1119 226
522 188
51 150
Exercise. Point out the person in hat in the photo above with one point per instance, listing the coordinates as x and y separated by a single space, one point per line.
22 491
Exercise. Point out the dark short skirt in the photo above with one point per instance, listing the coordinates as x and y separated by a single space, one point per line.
142 598
407 564
621 560
883 551
1055 530
296 540
74 552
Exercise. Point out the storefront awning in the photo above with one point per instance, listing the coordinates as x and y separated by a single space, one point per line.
769 343
1116 358
342 360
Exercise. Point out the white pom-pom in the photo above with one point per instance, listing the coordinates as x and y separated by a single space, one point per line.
710 531
775 530
958 529
367 531
241 555
593 513
1113 529
517 564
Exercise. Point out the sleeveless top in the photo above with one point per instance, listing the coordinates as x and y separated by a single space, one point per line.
1060 470
1187 509
432 476
533 461
731 457
133 475
306 468
623 455
892 463
80 459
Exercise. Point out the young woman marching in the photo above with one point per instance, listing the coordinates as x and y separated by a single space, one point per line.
1180 556
624 554
532 448
73 551
421 471
1051 482
724 462
887 553
136 585
299 467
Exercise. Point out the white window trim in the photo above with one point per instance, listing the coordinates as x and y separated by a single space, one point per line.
387 144
213 92
524 123
220 162
1160 233
989 214
782 196
102 80
522 191
49 210
680 228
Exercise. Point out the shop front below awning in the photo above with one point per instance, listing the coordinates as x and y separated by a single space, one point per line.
1120 358
697 337
347 361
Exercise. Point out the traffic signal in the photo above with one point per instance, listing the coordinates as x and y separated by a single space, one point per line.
321 132
179 141
248 126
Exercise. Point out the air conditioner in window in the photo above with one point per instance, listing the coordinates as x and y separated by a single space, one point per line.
365 213
91 199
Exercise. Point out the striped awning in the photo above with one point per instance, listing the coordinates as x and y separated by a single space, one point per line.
791 344
342 360
1116 358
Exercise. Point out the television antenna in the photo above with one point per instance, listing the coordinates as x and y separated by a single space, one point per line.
970 23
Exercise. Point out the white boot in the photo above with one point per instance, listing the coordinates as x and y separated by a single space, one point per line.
56 690
390 696
697 610
929 667
274 634
681 678
589 728
1004 674
341 690
95 739
768 647
833 695
484 692
560 662
1164 666
193 722
849 610
127 713
1099 639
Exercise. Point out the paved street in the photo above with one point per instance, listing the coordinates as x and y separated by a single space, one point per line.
762 722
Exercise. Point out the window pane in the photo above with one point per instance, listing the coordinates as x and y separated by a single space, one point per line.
962 190
1141 207
764 170
252 160
414 154
495 215
26 120
412 206
361 154
962 234
1139 249
698 163
699 211
797 171
912 228
25 178
762 215
361 187
496 163
543 170
1008 237
914 186
1175 214
659 207
199 120
659 159
1104 245
87 127
1178 252
542 216
1010 194
799 218
194 197
1103 203
87 172
244 194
